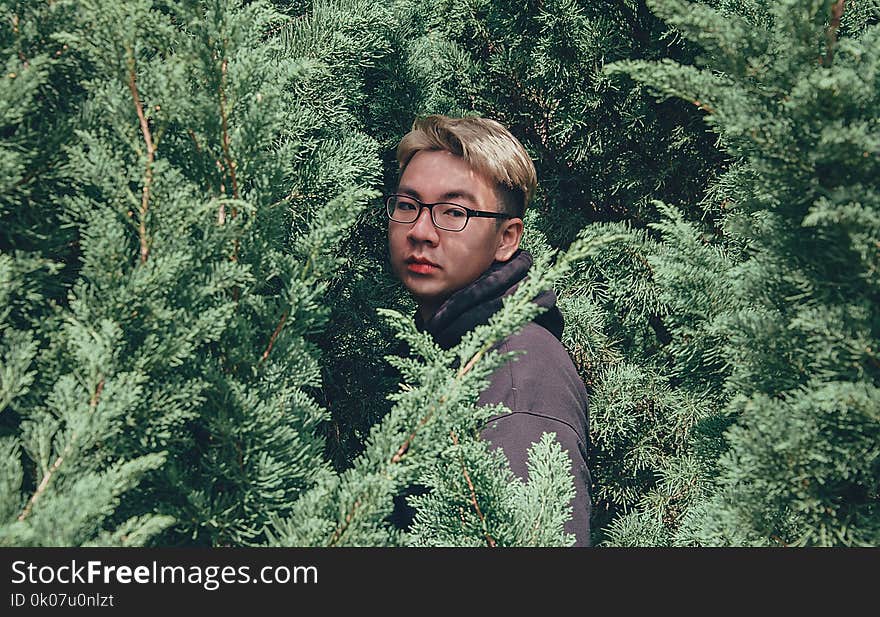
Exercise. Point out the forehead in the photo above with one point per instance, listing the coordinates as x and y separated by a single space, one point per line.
438 175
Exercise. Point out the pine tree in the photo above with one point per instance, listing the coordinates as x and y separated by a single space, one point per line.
199 331
772 324
605 150
347 98
53 417
177 343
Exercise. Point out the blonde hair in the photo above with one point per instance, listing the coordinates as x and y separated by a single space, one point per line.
486 146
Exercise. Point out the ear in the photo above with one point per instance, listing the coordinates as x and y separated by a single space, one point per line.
508 239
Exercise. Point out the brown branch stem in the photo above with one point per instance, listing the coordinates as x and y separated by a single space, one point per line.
273 337
463 371
405 446
151 153
490 541
341 530
24 61
225 142
778 540
195 140
229 162
402 450
831 35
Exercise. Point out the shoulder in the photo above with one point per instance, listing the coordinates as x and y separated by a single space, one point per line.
541 382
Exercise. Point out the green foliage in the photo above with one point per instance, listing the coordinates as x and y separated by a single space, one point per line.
602 149
516 513
343 141
165 394
173 372
774 321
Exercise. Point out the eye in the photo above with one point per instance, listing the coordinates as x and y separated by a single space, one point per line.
454 212
403 204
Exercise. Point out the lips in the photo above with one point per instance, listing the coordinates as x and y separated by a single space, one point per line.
420 265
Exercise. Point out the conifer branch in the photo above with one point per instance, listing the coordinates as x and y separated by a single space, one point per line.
632 20
192 135
404 448
831 34
537 526
151 150
467 367
17 32
642 260
490 541
702 106
537 132
44 483
778 540
463 371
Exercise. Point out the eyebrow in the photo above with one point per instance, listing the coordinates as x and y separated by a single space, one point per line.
459 194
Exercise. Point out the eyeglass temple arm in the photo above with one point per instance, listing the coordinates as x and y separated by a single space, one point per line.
490 215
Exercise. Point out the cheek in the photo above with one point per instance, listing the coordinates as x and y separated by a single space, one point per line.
481 250
394 241
397 251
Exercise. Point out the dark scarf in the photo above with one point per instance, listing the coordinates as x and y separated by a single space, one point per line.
475 304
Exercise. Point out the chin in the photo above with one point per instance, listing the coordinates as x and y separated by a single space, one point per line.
424 292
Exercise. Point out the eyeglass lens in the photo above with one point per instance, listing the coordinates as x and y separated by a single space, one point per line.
445 216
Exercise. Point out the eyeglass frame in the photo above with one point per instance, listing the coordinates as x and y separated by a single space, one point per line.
469 211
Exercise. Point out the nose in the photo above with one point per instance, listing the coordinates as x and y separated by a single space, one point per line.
422 229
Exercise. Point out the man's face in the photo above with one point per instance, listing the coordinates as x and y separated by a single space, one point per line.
456 258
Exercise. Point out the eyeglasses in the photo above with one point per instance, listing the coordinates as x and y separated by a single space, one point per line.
451 217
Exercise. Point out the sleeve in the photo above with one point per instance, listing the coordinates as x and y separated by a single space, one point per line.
515 433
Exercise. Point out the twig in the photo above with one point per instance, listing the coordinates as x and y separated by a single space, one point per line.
192 135
467 367
489 539
404 448
44 483
341 530
273 337
24 61
151 150
701 105
778 540
230 164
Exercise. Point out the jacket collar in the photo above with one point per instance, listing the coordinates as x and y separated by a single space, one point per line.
473 305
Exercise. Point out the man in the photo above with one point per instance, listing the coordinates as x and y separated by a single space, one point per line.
454 229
